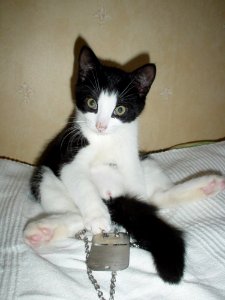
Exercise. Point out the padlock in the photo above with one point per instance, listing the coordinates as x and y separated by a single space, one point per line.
109 252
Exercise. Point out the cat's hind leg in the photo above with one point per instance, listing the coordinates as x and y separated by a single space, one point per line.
49 229
62 218
191 190
50 191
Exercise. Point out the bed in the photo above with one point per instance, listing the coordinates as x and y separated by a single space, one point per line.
59 272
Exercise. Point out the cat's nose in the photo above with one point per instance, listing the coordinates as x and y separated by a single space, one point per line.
101 127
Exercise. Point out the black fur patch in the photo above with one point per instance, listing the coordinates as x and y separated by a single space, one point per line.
63 148
164 241
60 151
35 183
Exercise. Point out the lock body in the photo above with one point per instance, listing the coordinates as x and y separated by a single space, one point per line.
109 252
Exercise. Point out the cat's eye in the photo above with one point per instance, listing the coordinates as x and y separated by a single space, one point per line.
120 110
92 103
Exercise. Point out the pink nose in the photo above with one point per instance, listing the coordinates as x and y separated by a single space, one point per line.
101 126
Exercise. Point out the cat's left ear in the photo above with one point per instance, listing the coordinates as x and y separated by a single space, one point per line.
87 62
143 78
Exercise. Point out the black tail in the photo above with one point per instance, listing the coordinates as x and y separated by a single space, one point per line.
164 241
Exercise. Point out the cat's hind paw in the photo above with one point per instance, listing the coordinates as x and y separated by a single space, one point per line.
37 236
43 232
213 185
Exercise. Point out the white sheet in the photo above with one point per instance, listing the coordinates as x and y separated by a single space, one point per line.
60 272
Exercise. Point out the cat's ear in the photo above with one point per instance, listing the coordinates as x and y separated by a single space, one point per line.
143 78
87 62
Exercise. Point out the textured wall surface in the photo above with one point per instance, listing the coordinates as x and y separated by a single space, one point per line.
186 40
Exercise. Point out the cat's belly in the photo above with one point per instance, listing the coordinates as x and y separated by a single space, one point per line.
108 180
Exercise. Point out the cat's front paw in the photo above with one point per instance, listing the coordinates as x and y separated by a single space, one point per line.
98 224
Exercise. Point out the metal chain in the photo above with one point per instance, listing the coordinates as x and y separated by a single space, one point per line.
134 245
81 236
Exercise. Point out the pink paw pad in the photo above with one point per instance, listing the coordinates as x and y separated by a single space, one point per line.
42 235
34 239
46 231
214 186
222 184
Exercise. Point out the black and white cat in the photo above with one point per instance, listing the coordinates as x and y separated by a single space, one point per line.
92 173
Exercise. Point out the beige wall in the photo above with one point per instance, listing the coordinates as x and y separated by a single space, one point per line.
186 40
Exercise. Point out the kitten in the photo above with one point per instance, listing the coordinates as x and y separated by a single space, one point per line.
92 173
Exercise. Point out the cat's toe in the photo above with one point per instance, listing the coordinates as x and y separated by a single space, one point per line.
215 185
33 239
36 235
99 224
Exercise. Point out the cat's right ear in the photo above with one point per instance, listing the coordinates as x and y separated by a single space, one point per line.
87 62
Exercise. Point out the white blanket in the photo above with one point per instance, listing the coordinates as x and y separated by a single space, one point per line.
60 272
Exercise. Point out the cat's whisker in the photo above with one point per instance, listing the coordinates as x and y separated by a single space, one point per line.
96 81
76 122
93 86
92 91
96 86
89 88
73 118
70 131
69 146
75 136
130 96
80 140
63 140
126 88
126 91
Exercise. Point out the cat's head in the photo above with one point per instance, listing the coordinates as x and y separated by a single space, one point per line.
107 97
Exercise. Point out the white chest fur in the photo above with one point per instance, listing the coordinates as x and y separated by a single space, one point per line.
114 148
110 161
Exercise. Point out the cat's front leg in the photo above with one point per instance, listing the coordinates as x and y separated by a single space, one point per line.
96 217
94 212
85 195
